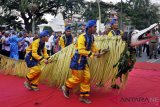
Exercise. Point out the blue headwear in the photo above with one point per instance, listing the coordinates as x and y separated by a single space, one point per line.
67 28
13 31
44 33
24 32
91 23
113 21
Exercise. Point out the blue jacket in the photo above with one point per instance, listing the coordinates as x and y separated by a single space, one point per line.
85 47
13 40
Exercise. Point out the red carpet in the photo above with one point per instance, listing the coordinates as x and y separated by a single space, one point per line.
143 90
147 66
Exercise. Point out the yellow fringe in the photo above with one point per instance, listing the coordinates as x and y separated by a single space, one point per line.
13 67
56 73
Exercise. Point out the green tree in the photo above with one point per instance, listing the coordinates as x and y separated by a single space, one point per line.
71 7
91 11
141 12
136 4
38 8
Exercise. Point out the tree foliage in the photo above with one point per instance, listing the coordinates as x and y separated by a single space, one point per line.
141 12
92 11
28 8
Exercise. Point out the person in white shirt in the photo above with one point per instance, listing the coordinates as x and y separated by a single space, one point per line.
52 42
49 45
1 35
22 45
6 44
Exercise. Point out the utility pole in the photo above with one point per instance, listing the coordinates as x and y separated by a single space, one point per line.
121 22
33 24
32 21
33 8
99 8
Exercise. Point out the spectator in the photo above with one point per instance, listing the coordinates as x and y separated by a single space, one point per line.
14 45
56 41
49 45
6 44
153 44
146 45
22 45
0 41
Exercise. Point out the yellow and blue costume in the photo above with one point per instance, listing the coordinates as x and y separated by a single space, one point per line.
84 48
35 53
66 40
115 32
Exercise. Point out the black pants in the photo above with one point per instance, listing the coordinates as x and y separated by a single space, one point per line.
52 50
21 55
5 53
49 52
147 50
146 46
0 47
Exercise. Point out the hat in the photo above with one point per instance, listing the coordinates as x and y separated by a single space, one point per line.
113 21
24 32
12 31
44 33
91 23
67 28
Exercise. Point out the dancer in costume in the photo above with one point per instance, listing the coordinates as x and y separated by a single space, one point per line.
114 29
36 53
126 61
128 57
84 48
66 39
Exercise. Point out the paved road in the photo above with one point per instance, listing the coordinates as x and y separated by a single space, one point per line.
144 58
